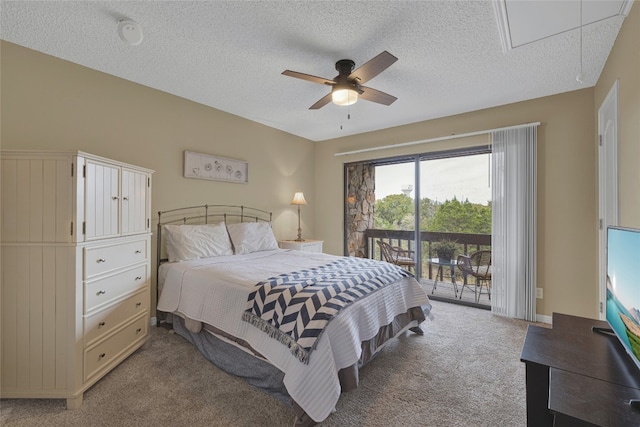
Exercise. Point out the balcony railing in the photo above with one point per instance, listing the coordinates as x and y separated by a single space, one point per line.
466 242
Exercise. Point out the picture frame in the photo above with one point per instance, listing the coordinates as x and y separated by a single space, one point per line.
215 168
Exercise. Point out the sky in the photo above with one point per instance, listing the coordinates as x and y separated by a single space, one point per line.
464 177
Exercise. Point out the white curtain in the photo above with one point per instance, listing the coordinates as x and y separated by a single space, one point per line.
513 244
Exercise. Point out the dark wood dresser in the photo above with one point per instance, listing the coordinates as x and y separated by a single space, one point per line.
578 377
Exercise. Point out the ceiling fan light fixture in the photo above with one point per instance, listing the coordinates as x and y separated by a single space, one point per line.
344 96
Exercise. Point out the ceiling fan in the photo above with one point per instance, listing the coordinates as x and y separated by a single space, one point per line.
347 85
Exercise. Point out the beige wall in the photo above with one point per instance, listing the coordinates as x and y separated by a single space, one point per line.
566 198
51 104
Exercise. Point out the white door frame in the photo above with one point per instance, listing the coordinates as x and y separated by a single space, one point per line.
607 184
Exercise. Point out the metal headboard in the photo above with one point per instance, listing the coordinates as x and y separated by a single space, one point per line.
206 214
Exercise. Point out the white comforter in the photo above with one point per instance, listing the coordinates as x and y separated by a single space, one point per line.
215 290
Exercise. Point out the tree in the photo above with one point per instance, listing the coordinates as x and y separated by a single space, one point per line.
395 212
428 209
454 216
391 213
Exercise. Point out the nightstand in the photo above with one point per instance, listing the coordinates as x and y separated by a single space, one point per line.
305 245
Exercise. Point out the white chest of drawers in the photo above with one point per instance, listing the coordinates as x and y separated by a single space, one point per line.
75 282
305 245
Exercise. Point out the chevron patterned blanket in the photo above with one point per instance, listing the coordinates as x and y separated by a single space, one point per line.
295 308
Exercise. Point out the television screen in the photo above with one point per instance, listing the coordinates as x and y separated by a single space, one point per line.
623 287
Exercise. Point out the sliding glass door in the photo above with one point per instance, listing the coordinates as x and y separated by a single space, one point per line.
455 219
395 211
431 199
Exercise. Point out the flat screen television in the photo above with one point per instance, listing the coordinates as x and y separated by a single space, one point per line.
623 287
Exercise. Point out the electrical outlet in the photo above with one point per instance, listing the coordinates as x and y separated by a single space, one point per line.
539 293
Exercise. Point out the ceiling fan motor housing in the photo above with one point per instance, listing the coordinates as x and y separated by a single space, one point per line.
345 66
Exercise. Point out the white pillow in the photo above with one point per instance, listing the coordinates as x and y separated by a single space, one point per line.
186 242
250 237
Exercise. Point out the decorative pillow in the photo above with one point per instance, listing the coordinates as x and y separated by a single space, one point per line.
185 242
250 237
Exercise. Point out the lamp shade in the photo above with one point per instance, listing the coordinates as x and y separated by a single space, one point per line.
298 199
344 96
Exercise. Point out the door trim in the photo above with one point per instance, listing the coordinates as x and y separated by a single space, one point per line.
607 145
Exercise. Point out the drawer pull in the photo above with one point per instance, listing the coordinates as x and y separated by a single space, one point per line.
101 324
114 198
101 356
138 304
138 331
138 251
101 292
138 277
125 198
101 260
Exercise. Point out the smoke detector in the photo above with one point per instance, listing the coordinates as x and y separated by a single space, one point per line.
130 32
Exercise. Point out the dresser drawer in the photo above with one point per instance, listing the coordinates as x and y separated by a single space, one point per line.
106 320
107 289
102 259
99 356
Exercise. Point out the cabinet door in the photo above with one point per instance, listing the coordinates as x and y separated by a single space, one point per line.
102 200
37 200
134 202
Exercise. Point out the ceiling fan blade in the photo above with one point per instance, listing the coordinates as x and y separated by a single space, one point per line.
374 95
321 102
308 77
373 67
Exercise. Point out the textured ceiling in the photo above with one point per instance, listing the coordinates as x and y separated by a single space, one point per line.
230 54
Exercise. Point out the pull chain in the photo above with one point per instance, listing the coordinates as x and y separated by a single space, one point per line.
348 117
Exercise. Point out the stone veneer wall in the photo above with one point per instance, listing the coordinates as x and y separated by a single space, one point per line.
360 206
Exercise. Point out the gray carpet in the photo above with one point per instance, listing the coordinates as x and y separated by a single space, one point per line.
464 371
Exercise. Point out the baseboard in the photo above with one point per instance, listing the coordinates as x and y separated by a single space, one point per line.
543 318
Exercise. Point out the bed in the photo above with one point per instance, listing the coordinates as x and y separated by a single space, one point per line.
297 325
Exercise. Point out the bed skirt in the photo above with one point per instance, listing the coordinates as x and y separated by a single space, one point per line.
258 372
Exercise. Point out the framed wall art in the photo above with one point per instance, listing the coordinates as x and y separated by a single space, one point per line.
214 168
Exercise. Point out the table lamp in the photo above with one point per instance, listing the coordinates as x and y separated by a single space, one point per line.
298 199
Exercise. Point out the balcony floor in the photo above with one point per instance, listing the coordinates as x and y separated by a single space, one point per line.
445 291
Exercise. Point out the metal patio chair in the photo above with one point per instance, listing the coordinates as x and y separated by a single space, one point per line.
477 265
396 255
